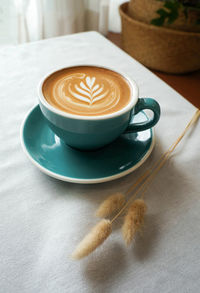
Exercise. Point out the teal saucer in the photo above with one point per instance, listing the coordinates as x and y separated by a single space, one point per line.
60 161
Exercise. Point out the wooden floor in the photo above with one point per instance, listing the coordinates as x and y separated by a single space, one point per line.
188 85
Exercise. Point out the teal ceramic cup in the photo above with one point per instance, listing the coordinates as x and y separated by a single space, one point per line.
93 132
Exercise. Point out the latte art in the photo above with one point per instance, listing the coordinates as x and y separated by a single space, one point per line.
82 94
86 91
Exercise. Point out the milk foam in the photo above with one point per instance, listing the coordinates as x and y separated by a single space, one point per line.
83 93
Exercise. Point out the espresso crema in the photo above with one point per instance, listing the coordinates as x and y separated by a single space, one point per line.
87 91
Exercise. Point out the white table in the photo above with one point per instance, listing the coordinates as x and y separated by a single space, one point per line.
42 219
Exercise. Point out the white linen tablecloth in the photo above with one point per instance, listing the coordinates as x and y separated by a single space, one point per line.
42 219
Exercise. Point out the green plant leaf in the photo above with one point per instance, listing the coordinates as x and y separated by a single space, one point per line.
161 12
172 17
158 21
170 11
171 5
173 8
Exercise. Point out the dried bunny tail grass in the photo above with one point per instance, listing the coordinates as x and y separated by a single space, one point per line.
110 205
93 239
133 220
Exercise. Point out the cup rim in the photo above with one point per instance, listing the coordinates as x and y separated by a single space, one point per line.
128 107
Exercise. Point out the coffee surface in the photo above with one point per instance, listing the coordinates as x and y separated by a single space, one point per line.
87 91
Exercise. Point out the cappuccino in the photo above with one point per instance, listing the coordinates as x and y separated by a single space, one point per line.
87 91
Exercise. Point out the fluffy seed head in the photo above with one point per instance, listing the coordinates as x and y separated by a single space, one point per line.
93 239
133 220
110 205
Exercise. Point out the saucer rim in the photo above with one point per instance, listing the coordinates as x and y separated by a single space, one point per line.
79 180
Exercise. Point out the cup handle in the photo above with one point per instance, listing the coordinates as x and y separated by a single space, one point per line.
142 104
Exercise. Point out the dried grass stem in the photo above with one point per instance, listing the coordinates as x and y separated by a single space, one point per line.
156 167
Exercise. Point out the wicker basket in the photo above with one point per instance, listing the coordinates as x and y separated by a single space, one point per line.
163 49
136 10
